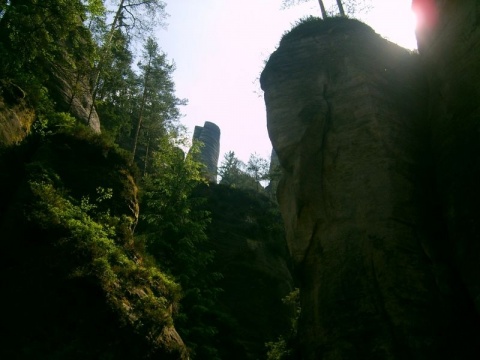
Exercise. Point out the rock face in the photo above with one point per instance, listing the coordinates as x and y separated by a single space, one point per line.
449 42
275 172
346 113
58 66
209 135
73 95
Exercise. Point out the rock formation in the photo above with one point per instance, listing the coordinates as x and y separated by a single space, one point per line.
73 95
209 135
347 116
449 43
274 173
247 236
42 56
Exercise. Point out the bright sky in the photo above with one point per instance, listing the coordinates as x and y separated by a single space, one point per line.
220 46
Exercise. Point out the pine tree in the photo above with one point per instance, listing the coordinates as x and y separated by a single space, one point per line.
133 17
118 92
158 105
230 169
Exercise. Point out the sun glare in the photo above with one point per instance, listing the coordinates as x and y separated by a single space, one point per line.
395 21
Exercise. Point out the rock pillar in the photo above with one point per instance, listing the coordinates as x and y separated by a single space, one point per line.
209 135
448 37
344 113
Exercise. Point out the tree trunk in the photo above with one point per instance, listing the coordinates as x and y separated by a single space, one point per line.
142 107
340 7
100 65
322 8
145 162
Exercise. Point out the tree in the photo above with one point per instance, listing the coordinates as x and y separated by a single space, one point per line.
118 92
290 3
39 39
286 346
4 4
340 8
235 173
230 169
352 6
257 168
133 17
174 227
158 105
138 16
178 223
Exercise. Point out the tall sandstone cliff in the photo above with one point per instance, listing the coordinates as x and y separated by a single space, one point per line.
348 116
449 44
209 136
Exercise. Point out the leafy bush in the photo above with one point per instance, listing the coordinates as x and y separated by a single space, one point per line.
173 226
90 240
284 347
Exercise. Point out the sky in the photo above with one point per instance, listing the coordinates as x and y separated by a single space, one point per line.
220 47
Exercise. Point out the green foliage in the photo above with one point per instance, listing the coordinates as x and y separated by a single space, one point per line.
173 226
47 125
158 105
79 196
118 91
257 168
236 174
139 17
94 7
277 350
67 198
311 26
36 34
230 170
293 299
283 348
89 236
248 237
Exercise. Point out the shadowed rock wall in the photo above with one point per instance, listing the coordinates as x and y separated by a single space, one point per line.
346 115
275 172
449 44
209 135
73 95
247 236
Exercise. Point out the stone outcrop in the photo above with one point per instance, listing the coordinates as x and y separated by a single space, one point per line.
73 95
274 172
449 44
43 57
347 116
209 135
247 236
